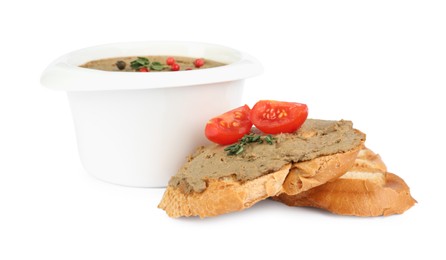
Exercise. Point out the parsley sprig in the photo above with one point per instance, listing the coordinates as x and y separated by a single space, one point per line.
143 62
140 62
237 148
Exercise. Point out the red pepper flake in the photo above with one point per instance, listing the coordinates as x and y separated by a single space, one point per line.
199 63
174 67
170 61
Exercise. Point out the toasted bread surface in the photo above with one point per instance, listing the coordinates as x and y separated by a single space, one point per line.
367 189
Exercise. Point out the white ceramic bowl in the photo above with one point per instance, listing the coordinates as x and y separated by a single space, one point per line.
136 129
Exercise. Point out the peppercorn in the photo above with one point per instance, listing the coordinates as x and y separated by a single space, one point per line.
121 65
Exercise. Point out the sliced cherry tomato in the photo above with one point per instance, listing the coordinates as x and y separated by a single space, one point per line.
229 127
273 117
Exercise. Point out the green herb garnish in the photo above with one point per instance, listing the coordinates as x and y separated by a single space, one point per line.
156 66
143 62
140 62
237 148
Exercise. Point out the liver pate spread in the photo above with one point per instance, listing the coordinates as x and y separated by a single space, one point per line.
314 139
112 64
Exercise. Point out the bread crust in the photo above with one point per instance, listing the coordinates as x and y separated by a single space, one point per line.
306 175
381 194
222 196
228 195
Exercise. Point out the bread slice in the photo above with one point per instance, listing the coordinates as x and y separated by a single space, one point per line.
367 189
222 196
226 194
309 174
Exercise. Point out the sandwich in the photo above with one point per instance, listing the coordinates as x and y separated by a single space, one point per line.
286 157
212 182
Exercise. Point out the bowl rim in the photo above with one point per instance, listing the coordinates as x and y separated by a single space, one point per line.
65 74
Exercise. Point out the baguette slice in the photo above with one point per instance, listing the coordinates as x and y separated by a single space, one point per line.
309 174
365 190
226 194
222 196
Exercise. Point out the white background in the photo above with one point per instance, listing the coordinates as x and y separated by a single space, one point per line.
380 64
